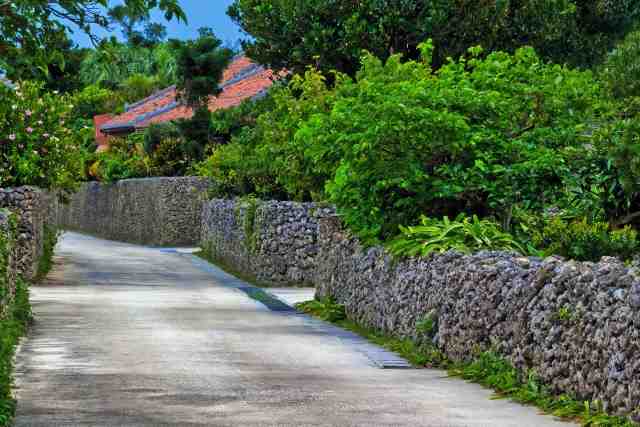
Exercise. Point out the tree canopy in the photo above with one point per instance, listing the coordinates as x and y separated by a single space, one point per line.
332 34
36 29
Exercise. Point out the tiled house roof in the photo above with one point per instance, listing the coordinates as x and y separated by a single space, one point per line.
241 80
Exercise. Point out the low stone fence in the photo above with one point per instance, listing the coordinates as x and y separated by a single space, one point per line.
273 243
576 324
33 209
150 211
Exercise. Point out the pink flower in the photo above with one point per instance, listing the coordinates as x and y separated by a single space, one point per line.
28 113
46 135
12 137
29 130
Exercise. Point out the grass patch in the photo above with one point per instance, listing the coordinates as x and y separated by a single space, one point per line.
45 262
488 369
12 328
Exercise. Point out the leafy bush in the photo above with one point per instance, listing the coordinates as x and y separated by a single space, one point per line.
478 136
621 70
125 159
464 234
93 100
36 145
156 133
584 241
265 159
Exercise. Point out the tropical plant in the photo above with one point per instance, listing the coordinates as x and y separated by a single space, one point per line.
464 234
37 147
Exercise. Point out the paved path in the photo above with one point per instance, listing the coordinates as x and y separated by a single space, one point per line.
132 336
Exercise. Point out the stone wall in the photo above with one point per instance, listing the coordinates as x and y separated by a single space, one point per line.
8 260
151 211
576 324
32 207
273 243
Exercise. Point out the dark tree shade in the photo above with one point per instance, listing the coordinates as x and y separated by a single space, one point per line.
331 34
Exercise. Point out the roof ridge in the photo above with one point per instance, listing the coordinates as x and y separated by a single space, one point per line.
151 97
245 73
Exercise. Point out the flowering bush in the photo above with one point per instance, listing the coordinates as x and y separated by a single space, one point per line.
36 146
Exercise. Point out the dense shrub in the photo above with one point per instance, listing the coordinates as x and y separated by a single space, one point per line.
621 70
37 146
265 158
581 240
479 136
125 159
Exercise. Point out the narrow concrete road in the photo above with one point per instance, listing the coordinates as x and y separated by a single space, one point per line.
133 336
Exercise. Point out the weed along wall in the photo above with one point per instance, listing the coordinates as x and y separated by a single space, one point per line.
575 324
150 211
272 243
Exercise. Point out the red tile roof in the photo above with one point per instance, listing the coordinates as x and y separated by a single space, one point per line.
241 80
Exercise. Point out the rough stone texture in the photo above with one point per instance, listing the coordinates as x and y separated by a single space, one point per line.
275 243
33 207
576 324
152 211
8 262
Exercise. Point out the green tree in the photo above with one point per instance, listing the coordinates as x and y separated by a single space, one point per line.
200 65
34 28
331 34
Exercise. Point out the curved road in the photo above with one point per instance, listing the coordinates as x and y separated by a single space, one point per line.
134 336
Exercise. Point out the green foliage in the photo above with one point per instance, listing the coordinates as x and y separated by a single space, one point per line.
331 35
478 136
265 159
493 371
581 240
247 208
326 309
156 133
37 147
621 69
463 234
566 314
428 325
200 65
94 100
132 72
49 242
125 159
481 136
36 29
12 327
139 86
